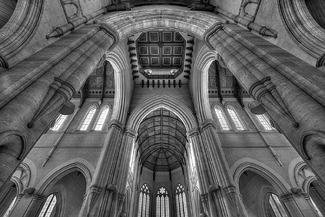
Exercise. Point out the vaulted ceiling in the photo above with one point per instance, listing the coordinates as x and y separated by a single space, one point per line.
162 141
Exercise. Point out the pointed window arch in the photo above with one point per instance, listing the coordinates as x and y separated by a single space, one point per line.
277 206
235 117
144 199
48 206
58 122
222 118
89 117
162 206
102 117
181 201
10 208
265 122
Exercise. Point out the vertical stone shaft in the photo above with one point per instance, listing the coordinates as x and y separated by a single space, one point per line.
28 205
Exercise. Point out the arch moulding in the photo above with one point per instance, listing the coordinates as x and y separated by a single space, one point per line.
243 164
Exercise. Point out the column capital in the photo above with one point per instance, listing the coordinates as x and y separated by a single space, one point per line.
211 31
286 197
110 31
117 124
193 132
207 124
130 132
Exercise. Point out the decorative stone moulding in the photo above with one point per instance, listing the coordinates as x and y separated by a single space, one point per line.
303 28
19 29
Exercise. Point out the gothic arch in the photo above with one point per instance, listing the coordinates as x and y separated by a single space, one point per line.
155 102
263 170
77 164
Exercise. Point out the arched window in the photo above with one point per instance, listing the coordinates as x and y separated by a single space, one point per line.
89 117
276 206
48 206
11 206
102 118
319 213
222 118
234 116
181 201
162 207
58 122
144 199
265 122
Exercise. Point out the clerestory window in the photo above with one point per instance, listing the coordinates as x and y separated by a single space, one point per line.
162 206
265 122
89 117
10 207
48 206
102 118
144 199
235 118
58 122
181 204
222 118
276 206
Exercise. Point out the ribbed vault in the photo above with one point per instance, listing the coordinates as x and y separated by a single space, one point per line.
161 141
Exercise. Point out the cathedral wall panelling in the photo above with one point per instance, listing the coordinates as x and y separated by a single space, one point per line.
89 6
229 5
52 16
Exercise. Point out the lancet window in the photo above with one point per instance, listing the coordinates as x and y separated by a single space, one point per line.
162 206
144 199
89 117
102 118
265 122
276 206
181 201
58 122
222 118
11 206
48 206
235 117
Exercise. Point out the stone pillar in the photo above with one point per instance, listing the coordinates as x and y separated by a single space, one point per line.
20 128
28 205
298 204
294 100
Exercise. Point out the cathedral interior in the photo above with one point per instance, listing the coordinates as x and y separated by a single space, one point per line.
162 108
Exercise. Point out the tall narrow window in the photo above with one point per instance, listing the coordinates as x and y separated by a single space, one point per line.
10 207
144 199
234 116
265 122
162 206
132 159
48 206
222 118
181 201
58 122
316 208
102 118
89 117
277 207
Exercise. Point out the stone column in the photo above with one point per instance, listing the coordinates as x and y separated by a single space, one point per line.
28 205
298 204
293 99
27 116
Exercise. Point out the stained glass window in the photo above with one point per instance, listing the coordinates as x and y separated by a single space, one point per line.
277 207
48 206
58 122
234 116
89 117
222 118
181 204
101 119
144 199
265 122
162 206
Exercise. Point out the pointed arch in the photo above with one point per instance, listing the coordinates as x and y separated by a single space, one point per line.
235 117
103 114
88 118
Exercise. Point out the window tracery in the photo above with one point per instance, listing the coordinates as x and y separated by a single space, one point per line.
58 122
101 119
48 206
89 117
265 122
162 206
144 199
222 118
181 201
235 117
276 206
